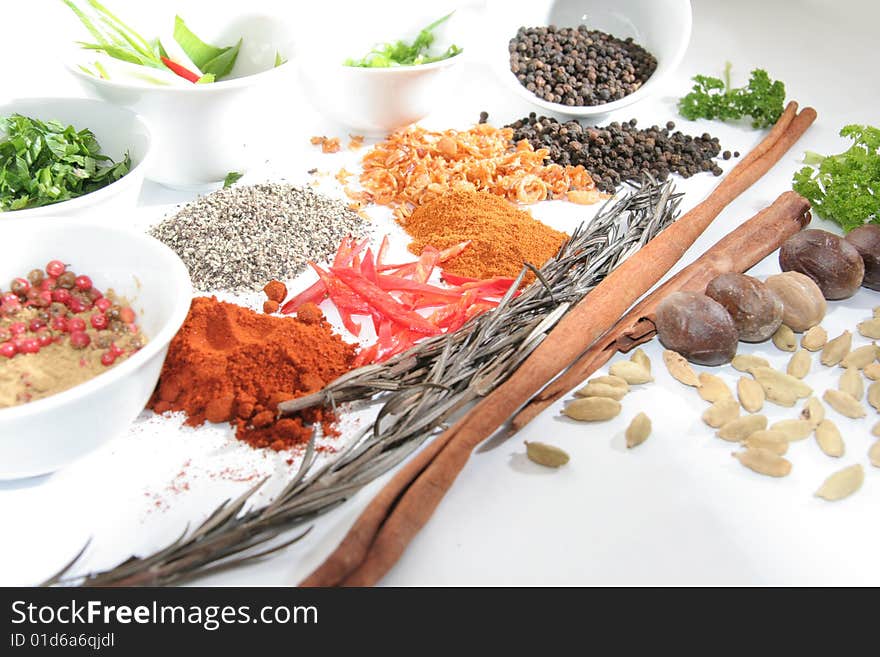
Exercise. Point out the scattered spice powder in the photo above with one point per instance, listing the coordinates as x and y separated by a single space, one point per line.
231 364
414 166
502 237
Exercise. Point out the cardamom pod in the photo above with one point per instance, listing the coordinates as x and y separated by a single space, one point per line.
874 395
813 412
829 438
874 454
639 356
814 339
764 461
601 390
721 412
784 338
680 369
796 429
872 371
742 427
861 357
851 383
836 350
638 430
844 403
610 380
712 388
750 393
799 365
775 441
592 409
779 387
549 456
746 362
631 372
842 483
870 328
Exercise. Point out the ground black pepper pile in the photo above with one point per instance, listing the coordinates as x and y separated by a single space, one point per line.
577 66
620 151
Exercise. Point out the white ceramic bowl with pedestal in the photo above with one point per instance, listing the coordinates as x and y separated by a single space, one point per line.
45 435
204 131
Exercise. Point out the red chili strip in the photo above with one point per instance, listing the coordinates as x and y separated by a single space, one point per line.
384 302
179 70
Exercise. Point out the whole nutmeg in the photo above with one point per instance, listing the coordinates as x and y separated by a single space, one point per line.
832 262
866 240
803 305
755 308
697 327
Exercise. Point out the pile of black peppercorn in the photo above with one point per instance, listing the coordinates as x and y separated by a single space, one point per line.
619 151
577 66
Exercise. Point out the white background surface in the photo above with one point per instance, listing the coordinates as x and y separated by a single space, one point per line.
678 510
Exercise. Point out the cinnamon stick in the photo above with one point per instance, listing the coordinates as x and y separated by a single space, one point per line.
737 252
383 530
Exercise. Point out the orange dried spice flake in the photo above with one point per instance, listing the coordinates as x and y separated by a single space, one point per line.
414 166
355 142
327 144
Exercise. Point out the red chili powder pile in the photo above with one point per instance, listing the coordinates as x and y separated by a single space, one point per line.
231 364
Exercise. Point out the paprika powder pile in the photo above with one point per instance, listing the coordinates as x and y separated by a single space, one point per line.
231 364
502 237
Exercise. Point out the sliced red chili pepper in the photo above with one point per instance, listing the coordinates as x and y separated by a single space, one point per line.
366 355
445 254
383 251
348 322
384 334
343 296
384 302
368 267
425 264
315 293
391 283
182 71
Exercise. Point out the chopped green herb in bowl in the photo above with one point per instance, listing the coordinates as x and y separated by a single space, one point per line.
46 162
401 53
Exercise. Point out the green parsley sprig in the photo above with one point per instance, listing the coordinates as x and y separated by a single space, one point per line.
762 99
401 53
47 162
845 187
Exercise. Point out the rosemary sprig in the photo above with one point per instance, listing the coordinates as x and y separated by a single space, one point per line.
419 391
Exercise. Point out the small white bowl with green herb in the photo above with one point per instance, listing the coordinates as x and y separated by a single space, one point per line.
373 86
210 85
69 157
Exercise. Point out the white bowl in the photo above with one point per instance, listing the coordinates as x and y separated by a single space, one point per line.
47 434
662 27
375 101
204 131
117 130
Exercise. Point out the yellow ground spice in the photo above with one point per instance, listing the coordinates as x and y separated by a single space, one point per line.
502 236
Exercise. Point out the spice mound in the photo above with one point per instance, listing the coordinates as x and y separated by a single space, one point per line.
414 166
231 364
621 151
240 237
578 66
57 330
501 236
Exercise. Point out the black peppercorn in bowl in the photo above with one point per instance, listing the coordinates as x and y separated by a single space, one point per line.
587 58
